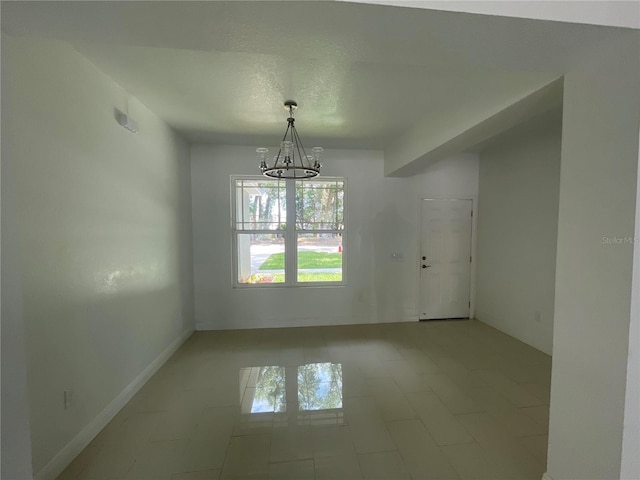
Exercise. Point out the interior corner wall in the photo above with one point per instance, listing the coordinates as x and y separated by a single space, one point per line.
381 220
101 219
517 232
594 266
630 465
16 432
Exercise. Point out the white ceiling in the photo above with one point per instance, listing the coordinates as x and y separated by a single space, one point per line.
220 71
613 13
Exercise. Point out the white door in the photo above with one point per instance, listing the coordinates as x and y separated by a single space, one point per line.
445 259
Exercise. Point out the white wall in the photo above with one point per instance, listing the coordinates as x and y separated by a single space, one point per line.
598 198
102 223
382 219
517 232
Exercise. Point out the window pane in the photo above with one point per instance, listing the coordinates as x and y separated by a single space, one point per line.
319 257
260 258
260 204
319 205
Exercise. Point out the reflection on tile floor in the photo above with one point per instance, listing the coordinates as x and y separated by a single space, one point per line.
434 400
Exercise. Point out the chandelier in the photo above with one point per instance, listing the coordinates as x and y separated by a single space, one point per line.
291 162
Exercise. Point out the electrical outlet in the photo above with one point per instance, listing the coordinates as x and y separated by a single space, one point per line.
536 316
68 398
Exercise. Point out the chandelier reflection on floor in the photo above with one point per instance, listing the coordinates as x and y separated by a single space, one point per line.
292 161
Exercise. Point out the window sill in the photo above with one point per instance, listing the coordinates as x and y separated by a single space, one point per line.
242 286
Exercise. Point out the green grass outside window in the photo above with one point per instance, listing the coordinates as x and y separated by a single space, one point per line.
306 260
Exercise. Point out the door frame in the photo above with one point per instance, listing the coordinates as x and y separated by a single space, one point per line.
474 225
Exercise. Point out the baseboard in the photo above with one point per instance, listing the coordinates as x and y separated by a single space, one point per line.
65 456
546 476
299 322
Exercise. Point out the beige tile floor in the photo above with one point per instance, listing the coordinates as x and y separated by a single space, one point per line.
430 400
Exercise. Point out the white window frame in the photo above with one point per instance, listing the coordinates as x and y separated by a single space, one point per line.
290 235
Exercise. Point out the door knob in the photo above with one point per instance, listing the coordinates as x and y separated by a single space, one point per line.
426 266
424 258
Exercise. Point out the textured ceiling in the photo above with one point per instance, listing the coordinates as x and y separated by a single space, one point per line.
220 71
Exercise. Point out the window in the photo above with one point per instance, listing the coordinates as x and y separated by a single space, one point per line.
274 244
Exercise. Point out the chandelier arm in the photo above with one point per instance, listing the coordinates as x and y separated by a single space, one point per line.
284 137
296 146
292 137
303 158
